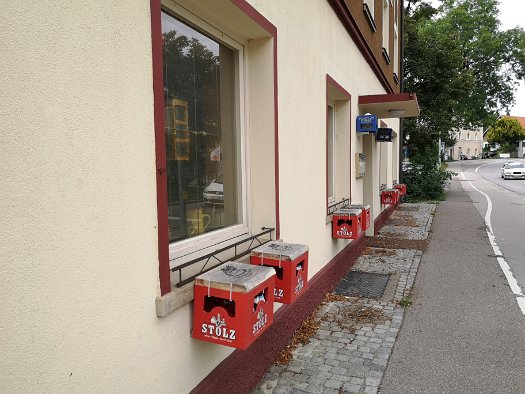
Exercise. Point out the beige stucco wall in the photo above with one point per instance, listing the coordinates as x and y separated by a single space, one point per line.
78 195
78 244
302 100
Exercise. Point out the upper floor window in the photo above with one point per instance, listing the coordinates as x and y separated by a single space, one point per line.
386 28
369 9
396 40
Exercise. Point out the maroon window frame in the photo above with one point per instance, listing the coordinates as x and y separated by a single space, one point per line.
160 149
331 82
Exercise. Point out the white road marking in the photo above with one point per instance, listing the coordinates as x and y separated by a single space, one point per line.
513 283
478 167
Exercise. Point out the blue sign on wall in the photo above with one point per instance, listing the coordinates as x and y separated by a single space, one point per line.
366 124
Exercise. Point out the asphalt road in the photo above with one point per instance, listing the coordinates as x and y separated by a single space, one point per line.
490 170
464 331
508 208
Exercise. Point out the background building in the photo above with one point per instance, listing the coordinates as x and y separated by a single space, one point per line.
469 144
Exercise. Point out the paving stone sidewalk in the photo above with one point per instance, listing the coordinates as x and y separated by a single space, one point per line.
350 351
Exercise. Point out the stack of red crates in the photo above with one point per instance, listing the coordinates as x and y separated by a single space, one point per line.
390 196
233 304
365 215
402 188
346 223
290 262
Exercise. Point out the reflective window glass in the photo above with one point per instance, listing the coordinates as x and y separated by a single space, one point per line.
200 131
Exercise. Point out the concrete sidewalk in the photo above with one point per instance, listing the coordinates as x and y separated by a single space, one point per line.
463 332
350 350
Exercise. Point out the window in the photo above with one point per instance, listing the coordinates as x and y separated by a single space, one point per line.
386 29
368 7
330 145
207 81
202 128
396 41
337 142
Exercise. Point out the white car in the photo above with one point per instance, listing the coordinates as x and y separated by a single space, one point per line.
214 192
513 170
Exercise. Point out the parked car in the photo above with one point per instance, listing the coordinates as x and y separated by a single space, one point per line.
513 170
214 192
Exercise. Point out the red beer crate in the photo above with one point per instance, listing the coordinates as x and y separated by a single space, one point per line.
233 304
401 187
365 215
290 262
389 196
346 223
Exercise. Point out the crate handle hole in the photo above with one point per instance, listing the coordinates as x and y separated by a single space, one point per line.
260 297
211 302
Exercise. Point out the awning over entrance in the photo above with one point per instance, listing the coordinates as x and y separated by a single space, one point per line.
400 105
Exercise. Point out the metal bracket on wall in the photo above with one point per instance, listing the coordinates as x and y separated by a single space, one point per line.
335 206
246 245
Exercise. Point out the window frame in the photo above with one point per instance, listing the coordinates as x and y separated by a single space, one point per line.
335 96
385 30
369 10
254 27
395 55
330 150
190 248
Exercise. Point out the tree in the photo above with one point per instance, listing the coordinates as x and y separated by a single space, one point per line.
463 68
507 132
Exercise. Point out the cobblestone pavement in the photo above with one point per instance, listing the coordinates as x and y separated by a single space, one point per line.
350 351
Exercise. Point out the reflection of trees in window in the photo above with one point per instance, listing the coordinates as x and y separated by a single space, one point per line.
192 73
199 98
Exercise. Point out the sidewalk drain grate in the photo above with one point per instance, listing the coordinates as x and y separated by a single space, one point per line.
362 284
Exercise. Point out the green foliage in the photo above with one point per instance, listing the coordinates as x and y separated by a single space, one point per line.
405 302
507 132
461 65
464 70
507 148
424 179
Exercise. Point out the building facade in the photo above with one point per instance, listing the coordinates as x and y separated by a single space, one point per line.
469 144
143 141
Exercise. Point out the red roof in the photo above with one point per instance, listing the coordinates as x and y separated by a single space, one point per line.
518 118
